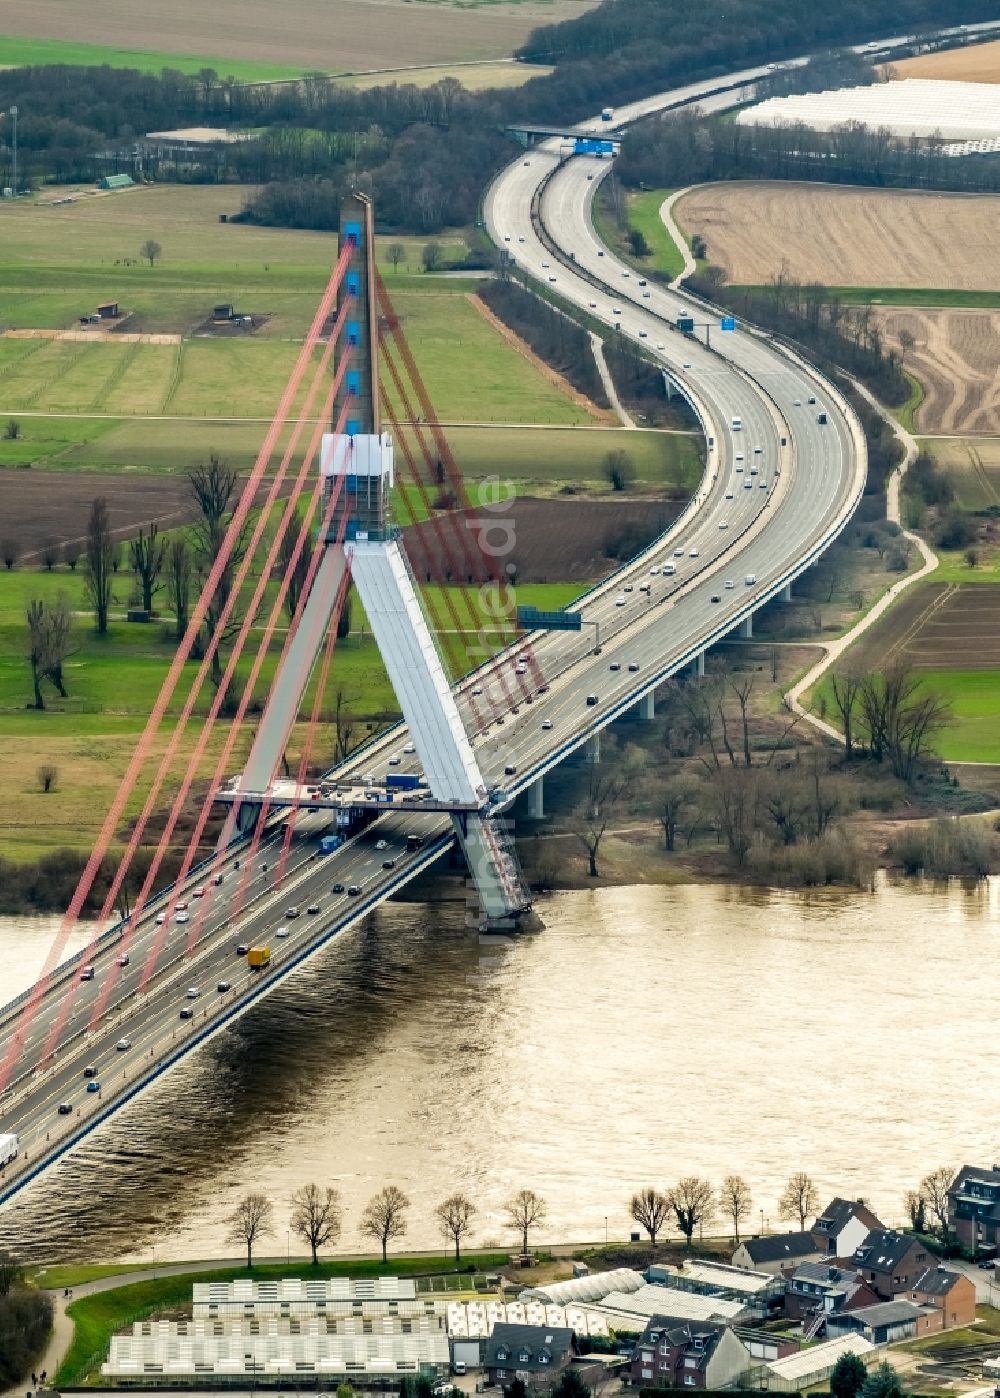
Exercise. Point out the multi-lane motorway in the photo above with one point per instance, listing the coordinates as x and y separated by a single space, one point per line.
776 489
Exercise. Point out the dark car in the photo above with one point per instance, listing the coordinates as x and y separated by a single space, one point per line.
716 597
591 700
64 1109
222 987
187 1012
90 1071
242 949
337 888
313 908
354 889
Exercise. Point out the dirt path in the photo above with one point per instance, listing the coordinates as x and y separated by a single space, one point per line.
95 336
670 224
597 348
515 341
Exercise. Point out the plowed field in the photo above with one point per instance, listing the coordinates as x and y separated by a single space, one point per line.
956 357
977 63
847 237
939 626
330 35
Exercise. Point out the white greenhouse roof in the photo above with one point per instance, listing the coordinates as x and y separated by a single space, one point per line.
956 111
593 1287
819 1357
476 1319
181 1354
714 1274
664 1300
314 1290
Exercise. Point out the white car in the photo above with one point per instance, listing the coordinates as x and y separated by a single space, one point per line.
646 295
616 310
679 551
381 844
730 584
693 553
410 748
123 1045
160 919
750 579
181 917
193 992
654 571
660 344
619 602
592 305
642 334
281 931
723 524
748 484
758 451
545 264
546 724
668 570
739 456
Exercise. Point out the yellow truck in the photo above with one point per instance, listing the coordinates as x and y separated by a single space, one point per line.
258 958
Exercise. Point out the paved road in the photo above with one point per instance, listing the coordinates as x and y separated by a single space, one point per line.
777 487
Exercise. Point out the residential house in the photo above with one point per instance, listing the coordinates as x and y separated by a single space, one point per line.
819 1288
974 1207
676 1353
887 1322
538 1354
953 1293
890 1262
778 1253
843 1227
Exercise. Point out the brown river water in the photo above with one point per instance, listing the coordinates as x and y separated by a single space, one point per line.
646 1033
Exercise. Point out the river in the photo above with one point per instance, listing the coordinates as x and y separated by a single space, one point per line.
646 1033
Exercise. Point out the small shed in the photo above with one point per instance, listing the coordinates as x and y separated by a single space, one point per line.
108 310
115 182
223 311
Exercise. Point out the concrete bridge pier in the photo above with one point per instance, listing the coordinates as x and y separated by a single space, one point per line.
594 747
647 707
536 799
698 664
746 628
786 593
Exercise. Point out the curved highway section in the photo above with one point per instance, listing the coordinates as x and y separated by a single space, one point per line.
776 490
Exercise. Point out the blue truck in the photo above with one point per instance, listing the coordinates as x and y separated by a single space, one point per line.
329 843
402 781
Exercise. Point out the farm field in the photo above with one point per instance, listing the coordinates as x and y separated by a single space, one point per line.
974 63
298 34
973 468
473 76
955 356
951 634
846 236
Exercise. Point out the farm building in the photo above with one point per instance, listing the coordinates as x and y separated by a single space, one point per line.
954 111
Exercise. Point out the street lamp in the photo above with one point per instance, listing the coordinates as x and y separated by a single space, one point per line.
13 113
605 1230
762 1223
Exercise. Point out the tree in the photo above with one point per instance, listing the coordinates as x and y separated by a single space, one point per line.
934 1188
848 1376
385 1216
637 243
252 1218
71 554
47 775
432 256
882 1382
315 1217
10 551
13 429
148 553
902 717
150 250
693 1201
49 552
214 488
799 1199
11 1273
736 1201
650 1210
525 1210
179 568
608 784
570 1385
846 686
916 1207
343 726
99 562
395 254
619 469
455 1217
49 627
37 649
295 576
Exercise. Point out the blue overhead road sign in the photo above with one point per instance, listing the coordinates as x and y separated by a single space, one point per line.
531 619
728 323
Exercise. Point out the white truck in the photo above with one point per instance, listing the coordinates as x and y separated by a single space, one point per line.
8 1149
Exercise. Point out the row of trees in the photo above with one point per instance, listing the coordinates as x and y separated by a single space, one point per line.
889 714
693 1201
25 1322
317 1218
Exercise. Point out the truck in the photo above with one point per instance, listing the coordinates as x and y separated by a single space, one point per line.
258 958
8 1149
402 781
414 842
329 843
607 113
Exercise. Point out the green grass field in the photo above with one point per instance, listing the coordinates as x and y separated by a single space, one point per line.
910 296
20 52
644 215
973 467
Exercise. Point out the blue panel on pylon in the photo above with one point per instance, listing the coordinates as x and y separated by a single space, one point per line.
352 230
353 382
353 332
353 427
354 283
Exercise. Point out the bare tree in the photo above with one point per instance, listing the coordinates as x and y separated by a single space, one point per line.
296 576
737 793
619 469
736 1201
650 1209
385 1216
846 685
49 624
395 254
786 800
99 562
13 429
799 1199
47 776
214 487
432 255
252 1218
71 551
49 551
525 1210
693 1202
916 1207
934 1188
742 687
608 784
902 717
148 553
455 1217
677 797
343 726
315 1217
180 567
150 250
34 614
10 551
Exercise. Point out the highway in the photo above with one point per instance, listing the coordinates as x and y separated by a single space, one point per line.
775 492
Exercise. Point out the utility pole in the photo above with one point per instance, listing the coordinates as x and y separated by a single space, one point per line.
13 113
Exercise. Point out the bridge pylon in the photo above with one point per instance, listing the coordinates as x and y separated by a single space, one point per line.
357 464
